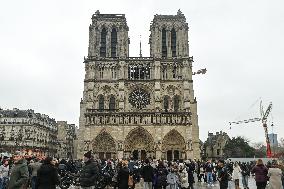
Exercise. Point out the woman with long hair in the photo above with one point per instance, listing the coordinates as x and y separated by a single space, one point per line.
260 172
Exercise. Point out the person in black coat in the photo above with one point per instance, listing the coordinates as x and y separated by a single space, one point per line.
47 175
147 174
161 176
90 171
123 176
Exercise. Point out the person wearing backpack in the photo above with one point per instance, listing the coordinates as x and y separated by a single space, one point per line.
223 175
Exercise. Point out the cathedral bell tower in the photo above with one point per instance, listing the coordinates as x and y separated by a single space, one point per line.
108 36
169 36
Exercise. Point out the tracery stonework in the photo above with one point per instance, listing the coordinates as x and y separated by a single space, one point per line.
138 106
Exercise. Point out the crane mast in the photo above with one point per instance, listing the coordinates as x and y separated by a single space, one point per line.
263 119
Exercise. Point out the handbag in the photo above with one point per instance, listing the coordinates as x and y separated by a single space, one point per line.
130 181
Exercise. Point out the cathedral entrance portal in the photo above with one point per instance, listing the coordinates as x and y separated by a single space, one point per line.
139 154
173 155
104 146
173 145
139 143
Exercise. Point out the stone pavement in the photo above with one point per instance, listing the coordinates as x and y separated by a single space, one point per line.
216 185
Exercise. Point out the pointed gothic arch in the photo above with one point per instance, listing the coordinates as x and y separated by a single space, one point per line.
139 139
173 145
104 145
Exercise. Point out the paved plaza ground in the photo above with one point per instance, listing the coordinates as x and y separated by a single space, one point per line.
216 185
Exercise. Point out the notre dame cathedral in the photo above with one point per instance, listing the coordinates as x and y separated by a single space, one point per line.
138 106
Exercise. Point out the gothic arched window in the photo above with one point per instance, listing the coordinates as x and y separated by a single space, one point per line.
166 103
175 71
176 103
173 42
103 43
101 103
164 42
112 103
113 42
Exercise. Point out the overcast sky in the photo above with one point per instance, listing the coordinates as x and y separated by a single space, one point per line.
42 45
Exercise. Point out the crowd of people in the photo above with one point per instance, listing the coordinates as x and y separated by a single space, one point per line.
90 173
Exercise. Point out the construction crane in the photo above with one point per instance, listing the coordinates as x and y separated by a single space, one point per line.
263 119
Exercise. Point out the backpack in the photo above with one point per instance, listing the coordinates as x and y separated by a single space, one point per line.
227 176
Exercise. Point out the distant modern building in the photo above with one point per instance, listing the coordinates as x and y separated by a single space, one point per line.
66 138
214 145
27 131
273 140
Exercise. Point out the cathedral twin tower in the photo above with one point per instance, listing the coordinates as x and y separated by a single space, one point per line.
138 106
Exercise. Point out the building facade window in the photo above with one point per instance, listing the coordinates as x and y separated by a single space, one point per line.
164 42
101 103
103 43
113 42
166 103
112 103
176 103
173 42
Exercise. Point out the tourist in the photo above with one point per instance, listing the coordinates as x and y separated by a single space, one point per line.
236 175
183 175
47 175
260 172
223 175
89 173
34 167
123 176
200 171
208 170
161 176
147 173
4 174
275 174
172 178
245 174
190 171
19 173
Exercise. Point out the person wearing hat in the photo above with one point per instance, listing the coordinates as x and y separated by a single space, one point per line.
89 173
223 175
19 173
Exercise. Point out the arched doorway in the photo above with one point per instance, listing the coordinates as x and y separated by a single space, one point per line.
139 144
173 145
104 146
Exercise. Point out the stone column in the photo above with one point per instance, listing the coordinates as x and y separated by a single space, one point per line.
121 78
157 93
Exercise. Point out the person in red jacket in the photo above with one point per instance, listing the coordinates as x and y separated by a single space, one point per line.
260 172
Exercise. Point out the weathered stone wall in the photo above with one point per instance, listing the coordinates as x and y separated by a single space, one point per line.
167 79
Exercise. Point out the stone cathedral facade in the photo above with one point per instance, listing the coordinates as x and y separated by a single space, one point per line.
138 106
